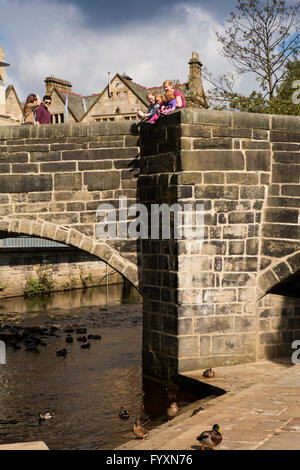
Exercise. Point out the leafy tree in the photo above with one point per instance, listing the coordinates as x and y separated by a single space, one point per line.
280 103
262 36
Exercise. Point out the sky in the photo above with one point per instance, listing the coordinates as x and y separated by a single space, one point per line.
82 40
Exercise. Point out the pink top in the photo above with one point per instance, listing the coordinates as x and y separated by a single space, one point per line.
178 93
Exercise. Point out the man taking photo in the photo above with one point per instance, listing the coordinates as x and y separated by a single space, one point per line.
43 115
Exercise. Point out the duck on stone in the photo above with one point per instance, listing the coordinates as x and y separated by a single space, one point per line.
211 439
139 430
209 373
172 410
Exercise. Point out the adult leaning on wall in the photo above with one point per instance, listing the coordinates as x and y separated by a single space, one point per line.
180 100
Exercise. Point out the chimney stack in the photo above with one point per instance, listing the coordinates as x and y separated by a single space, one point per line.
52 82
195 82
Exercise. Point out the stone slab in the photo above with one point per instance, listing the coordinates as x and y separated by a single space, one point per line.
260 411
35 445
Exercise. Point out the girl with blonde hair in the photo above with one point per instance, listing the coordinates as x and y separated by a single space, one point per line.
180 100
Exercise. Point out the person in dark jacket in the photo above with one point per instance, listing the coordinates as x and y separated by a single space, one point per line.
43 115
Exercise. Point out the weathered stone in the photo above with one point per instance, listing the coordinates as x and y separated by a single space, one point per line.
252 192
255 145
251 120
242 178
216 192
232 132
238 264
213 178
214 324
258 160
215 143
188 346
236 247
281 231
204 160
281 215
286 173
67 181
235 231
194 130
25 183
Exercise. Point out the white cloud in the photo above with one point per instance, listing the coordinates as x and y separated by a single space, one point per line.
44 37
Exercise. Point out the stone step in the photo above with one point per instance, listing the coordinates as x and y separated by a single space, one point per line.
35 445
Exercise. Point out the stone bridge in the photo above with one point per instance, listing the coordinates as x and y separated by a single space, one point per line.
230 298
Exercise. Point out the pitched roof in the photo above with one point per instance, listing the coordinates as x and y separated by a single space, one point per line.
76 103
139 90
9 89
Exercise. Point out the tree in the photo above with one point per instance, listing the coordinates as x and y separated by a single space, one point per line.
262 37
281 103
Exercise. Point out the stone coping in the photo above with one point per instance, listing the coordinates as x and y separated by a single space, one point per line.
78 129
197 116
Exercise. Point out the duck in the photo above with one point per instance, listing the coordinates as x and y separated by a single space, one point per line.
62 352
83 339
209 373
140 431
45 416
172 410
170 395
211 439
123 413
197 410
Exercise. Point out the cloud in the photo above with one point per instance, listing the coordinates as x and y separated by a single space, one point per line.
54 38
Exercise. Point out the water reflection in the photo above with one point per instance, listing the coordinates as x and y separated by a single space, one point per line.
101 296
85 389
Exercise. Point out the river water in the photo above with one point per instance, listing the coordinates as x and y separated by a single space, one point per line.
86 388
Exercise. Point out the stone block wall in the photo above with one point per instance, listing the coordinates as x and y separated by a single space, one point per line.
53 178
202 302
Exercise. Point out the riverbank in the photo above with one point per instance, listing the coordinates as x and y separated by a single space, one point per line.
63 268
260 411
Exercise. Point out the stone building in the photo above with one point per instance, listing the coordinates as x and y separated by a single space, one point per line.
119 100
10 106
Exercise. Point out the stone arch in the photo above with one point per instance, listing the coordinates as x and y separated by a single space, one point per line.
72 237
278 272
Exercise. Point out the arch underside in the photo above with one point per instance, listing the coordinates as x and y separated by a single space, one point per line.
74 238
282 277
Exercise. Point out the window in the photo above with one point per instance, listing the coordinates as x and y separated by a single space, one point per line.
118 95
125 95
62 118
